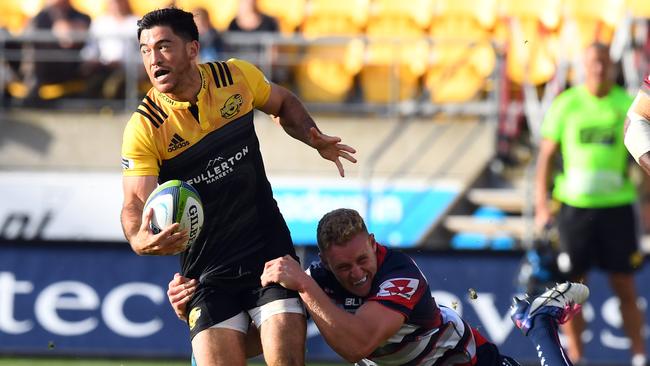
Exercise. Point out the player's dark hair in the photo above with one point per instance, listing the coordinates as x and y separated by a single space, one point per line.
180 22
338 227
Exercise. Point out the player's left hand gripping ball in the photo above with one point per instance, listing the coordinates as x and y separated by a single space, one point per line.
176 201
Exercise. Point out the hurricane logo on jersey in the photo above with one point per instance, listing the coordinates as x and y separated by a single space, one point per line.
404 287
231 106
194 316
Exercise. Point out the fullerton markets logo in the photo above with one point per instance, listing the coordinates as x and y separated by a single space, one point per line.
219 167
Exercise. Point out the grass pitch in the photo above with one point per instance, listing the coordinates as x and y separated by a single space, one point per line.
117 362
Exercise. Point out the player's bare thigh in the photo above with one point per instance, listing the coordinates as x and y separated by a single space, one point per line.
223 344
283 330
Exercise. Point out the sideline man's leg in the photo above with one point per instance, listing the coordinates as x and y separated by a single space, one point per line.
538 318
580 233
283 329
625 288
222 344
573 331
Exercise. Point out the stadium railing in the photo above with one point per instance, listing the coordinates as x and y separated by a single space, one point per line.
277 55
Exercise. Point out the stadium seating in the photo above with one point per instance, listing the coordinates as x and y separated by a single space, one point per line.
462 55
446 49
16 13
639 8
327 71
47 92
397 53
529 34
588 21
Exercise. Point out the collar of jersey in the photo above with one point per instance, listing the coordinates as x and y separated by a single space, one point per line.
175 104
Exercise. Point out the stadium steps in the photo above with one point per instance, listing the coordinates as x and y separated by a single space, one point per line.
515 226
426 150
511 200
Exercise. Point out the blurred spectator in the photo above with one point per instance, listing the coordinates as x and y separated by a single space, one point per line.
250 19
111 43
597 220
41 65
209 38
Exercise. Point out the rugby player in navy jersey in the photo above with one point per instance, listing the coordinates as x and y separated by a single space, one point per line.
373 305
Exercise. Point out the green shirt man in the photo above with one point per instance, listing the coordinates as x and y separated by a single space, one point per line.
589 131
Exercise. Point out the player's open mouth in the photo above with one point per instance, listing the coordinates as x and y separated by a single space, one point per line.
361 281
158 74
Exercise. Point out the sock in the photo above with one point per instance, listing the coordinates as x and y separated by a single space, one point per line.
639 359
544 336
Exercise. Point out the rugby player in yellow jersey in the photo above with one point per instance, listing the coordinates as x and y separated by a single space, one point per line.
196 125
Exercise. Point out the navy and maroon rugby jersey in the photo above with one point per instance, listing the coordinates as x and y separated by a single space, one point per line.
430 335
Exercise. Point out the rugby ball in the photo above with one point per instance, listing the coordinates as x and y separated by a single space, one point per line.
176 201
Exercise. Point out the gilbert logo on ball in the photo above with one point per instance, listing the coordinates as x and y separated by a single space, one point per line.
176 201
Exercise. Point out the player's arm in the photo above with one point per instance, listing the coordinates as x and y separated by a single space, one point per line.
136 227
352 336
637 130
297 122
543 168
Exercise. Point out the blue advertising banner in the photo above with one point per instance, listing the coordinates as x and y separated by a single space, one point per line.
105 300
46 206
87 300
399 216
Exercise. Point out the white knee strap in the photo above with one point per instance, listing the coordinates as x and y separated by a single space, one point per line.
637 136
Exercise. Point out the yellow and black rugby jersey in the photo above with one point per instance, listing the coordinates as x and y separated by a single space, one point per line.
214 148
162 128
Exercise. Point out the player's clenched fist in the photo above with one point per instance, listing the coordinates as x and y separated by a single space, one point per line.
179 292
286 272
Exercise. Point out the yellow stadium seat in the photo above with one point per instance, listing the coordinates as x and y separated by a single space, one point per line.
17 13
480 13
588 21
397 53
417 12
639 8
17 89
221 11
142 7
289 13
462 56
328 69
31 7
335 17
13 18
458 72
529 33
58 90
52 91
